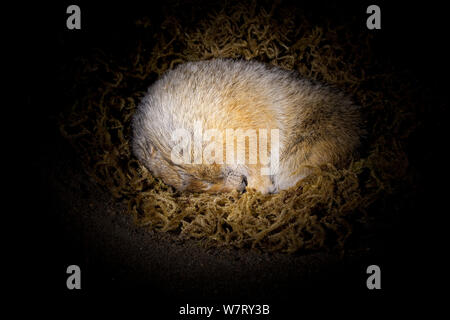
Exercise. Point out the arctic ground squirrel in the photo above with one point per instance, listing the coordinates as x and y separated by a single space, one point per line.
221 125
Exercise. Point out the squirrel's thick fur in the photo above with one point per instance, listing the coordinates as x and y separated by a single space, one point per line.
317 124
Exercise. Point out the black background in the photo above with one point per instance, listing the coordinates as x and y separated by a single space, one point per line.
413 38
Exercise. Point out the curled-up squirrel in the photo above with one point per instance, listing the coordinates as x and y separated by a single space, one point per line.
221 125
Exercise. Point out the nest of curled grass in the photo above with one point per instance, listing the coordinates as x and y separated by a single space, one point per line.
322 209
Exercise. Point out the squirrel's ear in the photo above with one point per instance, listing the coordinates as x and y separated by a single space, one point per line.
143 148
150 148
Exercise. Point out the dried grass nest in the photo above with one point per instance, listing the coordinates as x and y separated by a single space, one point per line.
321 210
